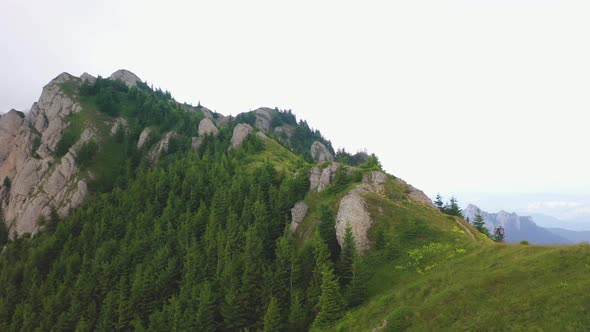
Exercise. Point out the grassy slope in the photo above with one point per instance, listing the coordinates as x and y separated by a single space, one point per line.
490 287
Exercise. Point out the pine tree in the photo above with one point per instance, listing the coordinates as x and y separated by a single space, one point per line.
297 314
272 318
347 257
357 290
479 224
438 202
327 230
331 304
206 309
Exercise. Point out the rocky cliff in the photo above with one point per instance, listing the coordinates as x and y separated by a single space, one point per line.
35 180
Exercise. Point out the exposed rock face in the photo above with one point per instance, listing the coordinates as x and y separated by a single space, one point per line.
14 147
263 118
88 78
206 127
40 181
162 146
320 178
126 77
298 213
287 130
120 124
240 133
352 210
320 152
143 137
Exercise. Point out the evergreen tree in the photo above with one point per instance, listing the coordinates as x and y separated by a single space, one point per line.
297 314
327 230
479 224
438 202
331 304
272 318
357 290
206 309
347 257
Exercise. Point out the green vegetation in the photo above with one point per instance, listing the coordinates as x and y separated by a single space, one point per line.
200 241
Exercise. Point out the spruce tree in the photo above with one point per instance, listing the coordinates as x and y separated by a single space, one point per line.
297 314
347 257
272 318
479 224
331 304
357 290
438 202
206 309
327 230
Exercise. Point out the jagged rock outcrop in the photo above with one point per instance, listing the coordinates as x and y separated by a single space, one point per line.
162 146
40 181
145 135
263 118
241 131
352 210
14 148
88 78
207 127
126 77
120 124
320 178
298 213
320 152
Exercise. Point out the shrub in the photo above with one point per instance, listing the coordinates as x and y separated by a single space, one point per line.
524 242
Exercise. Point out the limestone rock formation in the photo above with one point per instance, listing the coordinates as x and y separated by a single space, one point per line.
240 133
320 152
196 142
207 127
88 78
120 124
263 118
126 77
320 178
352 210
298 213
40 182
146 133
162 146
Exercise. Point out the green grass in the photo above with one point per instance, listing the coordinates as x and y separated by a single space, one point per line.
491 288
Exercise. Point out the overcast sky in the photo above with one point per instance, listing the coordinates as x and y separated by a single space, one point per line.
458 97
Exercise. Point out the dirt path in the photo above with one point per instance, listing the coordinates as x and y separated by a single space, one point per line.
465 228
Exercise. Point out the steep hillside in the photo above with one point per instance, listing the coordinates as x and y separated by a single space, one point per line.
192 221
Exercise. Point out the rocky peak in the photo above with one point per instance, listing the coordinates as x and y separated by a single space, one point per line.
126 77
88 78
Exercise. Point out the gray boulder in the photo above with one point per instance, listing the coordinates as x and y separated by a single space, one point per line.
320 178
146 133
125 76
207 127
320 152
298 213
240 133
